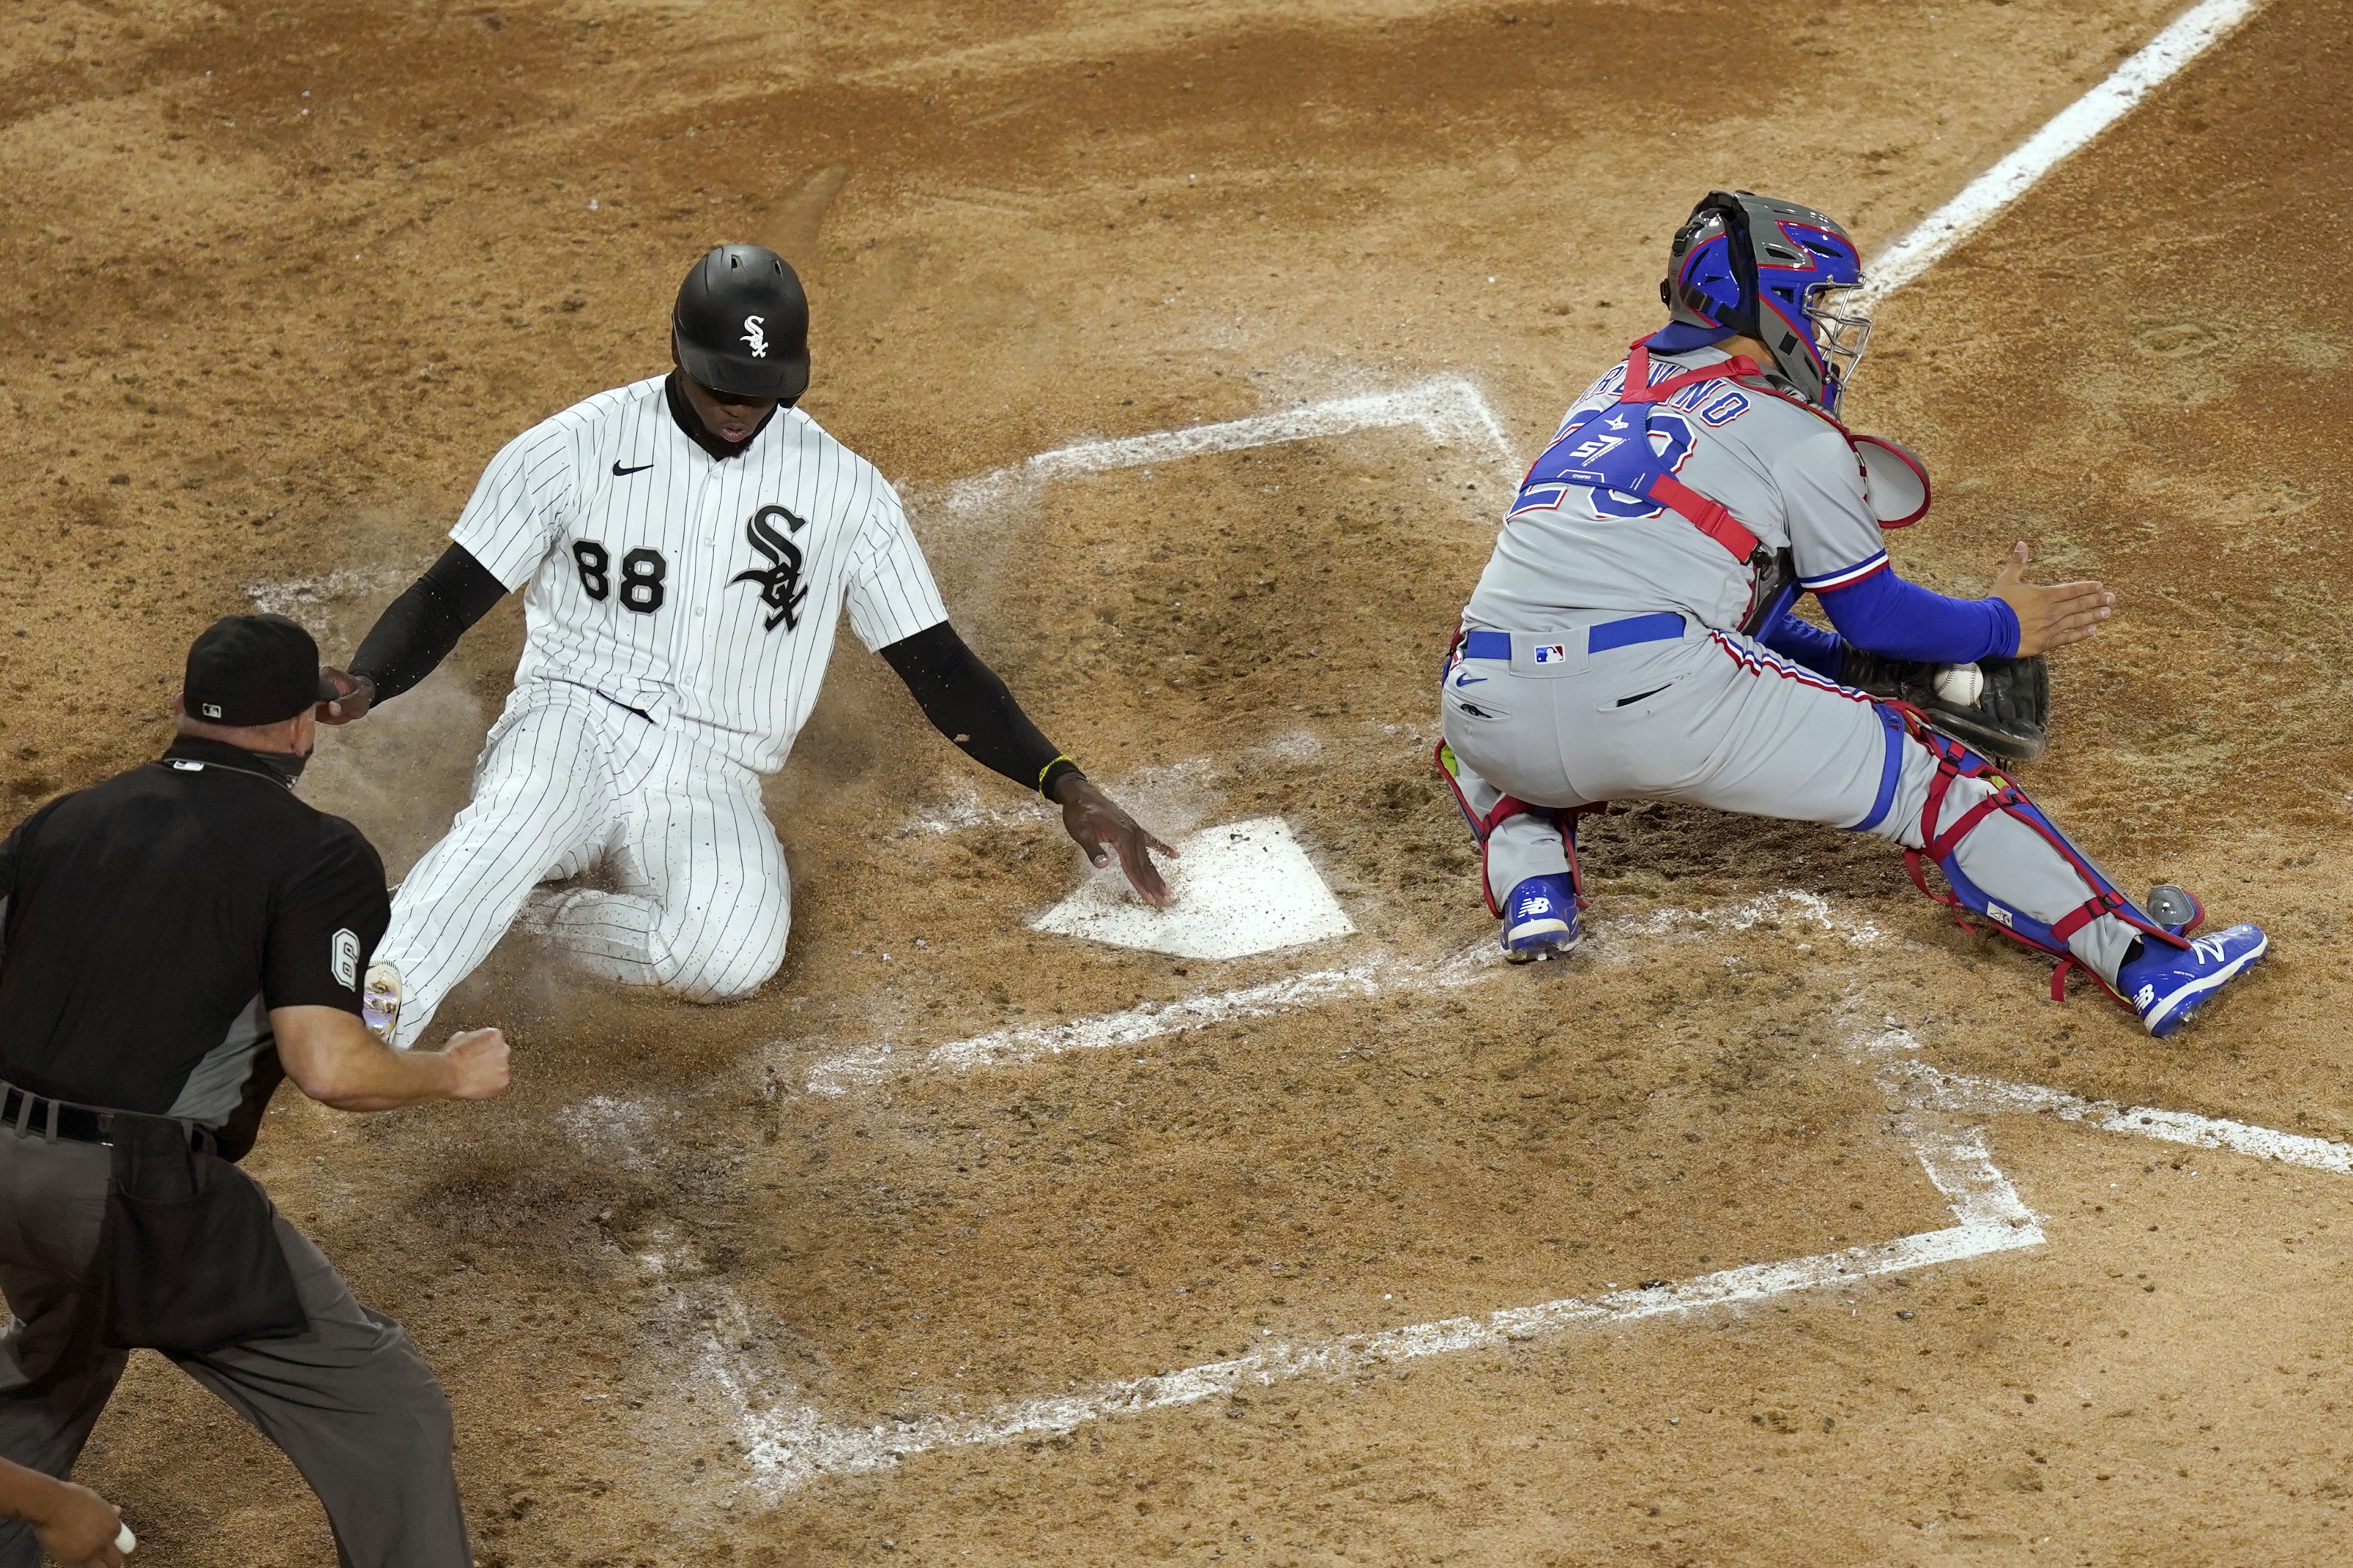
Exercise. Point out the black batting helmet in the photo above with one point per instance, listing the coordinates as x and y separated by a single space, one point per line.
742 325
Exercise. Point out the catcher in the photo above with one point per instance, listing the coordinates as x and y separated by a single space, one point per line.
1631 635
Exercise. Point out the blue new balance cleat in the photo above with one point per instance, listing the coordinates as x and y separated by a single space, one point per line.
2169 983
1540 919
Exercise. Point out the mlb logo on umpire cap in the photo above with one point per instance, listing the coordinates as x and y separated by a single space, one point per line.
253 669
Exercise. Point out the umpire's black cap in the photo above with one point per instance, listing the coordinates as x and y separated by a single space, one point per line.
742 325
253 670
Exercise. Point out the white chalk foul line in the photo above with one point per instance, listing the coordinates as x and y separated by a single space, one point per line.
786 1448
2191 34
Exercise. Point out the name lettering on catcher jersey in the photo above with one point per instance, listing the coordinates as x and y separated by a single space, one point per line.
780 587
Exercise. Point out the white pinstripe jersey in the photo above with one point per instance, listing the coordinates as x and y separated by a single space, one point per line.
691 586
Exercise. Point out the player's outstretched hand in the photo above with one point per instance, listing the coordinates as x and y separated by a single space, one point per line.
2050 616
1102 829
358 697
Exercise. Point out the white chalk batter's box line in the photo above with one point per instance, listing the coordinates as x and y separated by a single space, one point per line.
786 1443
1607 940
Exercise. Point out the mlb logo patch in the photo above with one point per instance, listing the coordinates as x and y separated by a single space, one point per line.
1551 653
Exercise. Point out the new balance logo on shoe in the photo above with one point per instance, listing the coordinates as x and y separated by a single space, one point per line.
2144 996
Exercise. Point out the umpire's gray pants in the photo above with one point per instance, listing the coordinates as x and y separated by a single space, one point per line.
1717 720
350 1402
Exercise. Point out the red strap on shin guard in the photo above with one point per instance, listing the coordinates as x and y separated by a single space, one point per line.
1938 846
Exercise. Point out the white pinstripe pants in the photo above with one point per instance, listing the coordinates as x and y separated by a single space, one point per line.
567 780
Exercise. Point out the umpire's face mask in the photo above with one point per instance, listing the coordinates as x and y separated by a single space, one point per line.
287 765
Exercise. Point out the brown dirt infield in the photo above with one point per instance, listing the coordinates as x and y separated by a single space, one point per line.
255 341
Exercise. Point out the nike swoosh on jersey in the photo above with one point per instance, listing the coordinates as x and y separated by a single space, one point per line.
618 470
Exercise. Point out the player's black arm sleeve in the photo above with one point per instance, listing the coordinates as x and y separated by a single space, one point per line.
966 702
417 630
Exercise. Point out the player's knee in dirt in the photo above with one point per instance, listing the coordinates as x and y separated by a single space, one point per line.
727 970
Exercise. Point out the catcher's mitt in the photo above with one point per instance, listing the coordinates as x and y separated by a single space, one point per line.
2009 720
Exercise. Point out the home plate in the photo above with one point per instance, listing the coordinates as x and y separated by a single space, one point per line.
1242 888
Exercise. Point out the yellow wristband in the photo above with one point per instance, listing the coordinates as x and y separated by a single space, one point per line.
1058 757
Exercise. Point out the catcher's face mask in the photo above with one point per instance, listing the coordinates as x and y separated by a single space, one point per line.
1842 331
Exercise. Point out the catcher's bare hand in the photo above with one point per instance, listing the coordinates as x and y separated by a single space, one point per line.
1101 829
358 697
2048 616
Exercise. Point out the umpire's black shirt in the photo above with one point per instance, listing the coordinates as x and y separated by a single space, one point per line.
149 923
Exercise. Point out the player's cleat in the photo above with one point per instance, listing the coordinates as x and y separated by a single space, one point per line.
1540 919
380 1000
2165 984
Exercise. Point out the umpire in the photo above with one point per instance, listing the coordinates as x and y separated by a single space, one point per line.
173 942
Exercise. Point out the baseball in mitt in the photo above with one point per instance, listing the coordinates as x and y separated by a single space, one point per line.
2008 718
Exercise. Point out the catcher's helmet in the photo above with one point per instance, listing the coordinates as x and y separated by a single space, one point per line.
742 325
1763 268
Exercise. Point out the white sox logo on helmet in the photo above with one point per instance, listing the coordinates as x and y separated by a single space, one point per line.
754 335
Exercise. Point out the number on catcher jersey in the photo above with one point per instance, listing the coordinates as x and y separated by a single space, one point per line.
1602 450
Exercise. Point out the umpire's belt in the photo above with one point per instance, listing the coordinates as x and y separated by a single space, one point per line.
1549 648
82 1124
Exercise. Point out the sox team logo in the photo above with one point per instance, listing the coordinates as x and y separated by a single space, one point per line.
756 336
780 581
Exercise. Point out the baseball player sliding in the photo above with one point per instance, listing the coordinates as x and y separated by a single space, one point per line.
1630 636
688 542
